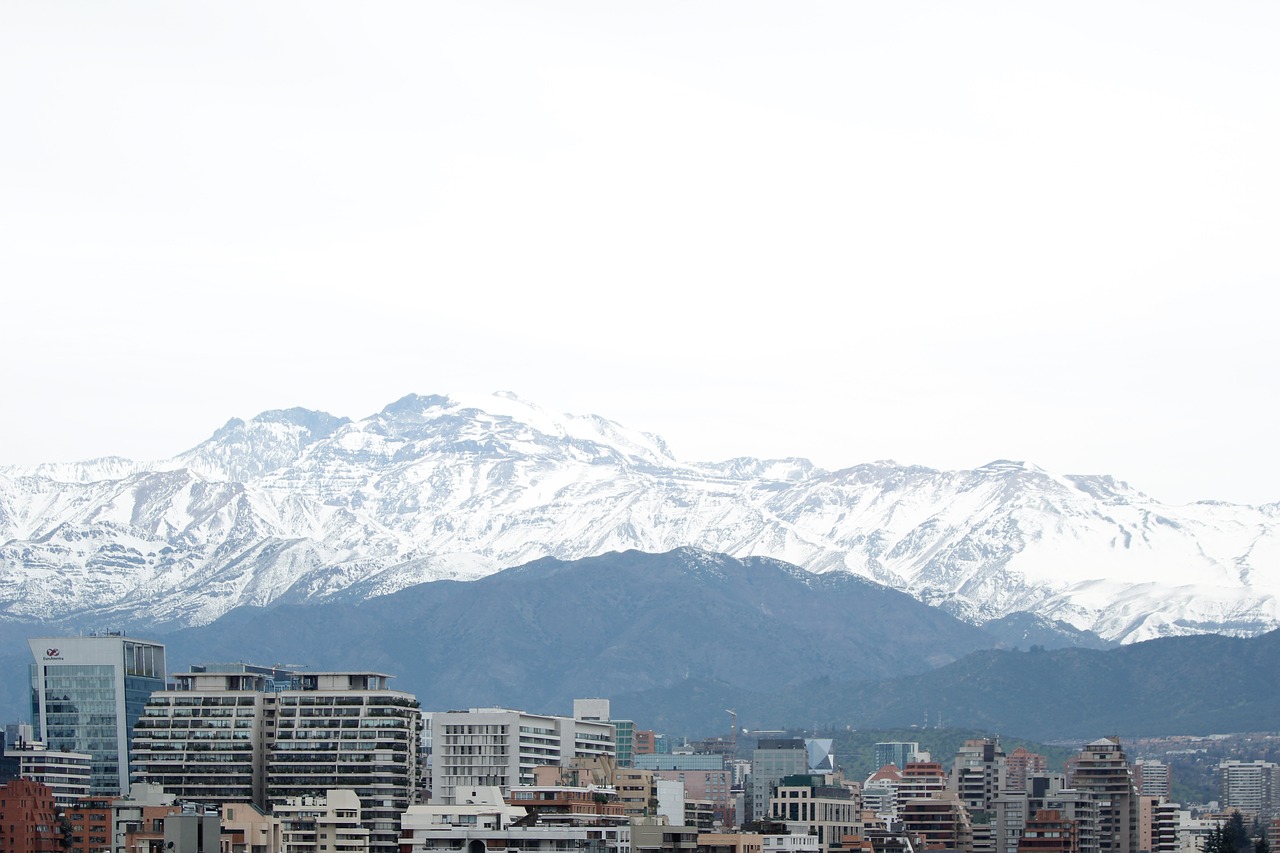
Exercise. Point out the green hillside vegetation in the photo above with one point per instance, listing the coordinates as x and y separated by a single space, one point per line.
855 750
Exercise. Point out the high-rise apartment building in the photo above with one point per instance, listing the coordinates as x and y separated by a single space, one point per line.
207 739
1151 778
1023 764
1158 823
349 730
940 821
880 791
500 747
1102 771
921 779
979 774
86 694
1252 787
229 734
1084 809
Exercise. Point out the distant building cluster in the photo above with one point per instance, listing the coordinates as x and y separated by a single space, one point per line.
242 758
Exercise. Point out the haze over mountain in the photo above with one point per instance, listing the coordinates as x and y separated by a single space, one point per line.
539 634
296 506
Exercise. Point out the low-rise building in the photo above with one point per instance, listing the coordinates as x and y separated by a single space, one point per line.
558 803
30 818
481 821
1048 832
655 835
90 821
820 806
730 842
248 829
700 814
66 773
323 823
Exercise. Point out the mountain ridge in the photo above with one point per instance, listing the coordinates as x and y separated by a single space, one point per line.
309 506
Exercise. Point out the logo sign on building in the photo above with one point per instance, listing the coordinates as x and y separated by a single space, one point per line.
53 654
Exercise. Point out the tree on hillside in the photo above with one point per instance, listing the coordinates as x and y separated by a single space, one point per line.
1230 836
1219 840
1237 835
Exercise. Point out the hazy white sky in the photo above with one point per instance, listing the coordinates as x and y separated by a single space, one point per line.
938 233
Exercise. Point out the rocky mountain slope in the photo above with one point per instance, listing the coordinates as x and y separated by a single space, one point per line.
301 506
608 625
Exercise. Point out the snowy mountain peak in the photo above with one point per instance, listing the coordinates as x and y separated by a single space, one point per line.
244 450
297 505
1011 466
502 422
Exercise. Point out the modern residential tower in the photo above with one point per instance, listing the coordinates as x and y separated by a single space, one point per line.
235 733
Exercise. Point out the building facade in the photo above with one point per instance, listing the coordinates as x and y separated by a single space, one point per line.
29 819
1049 832
1249 786
1021 765
1152 778
66 773
819 806
230 734
979 774
1102 771
500 747
86 694
207 739
897 753
322 823
771 761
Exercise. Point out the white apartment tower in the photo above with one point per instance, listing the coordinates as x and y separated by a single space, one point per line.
1252 787
1151 778
500 747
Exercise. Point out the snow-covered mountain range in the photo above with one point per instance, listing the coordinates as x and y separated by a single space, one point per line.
297 505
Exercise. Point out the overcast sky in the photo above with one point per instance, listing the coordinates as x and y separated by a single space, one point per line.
936 233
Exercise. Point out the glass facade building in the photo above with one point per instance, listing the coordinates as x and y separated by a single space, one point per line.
86 694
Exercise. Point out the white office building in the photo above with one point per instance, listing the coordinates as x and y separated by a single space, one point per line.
86 694
500 747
